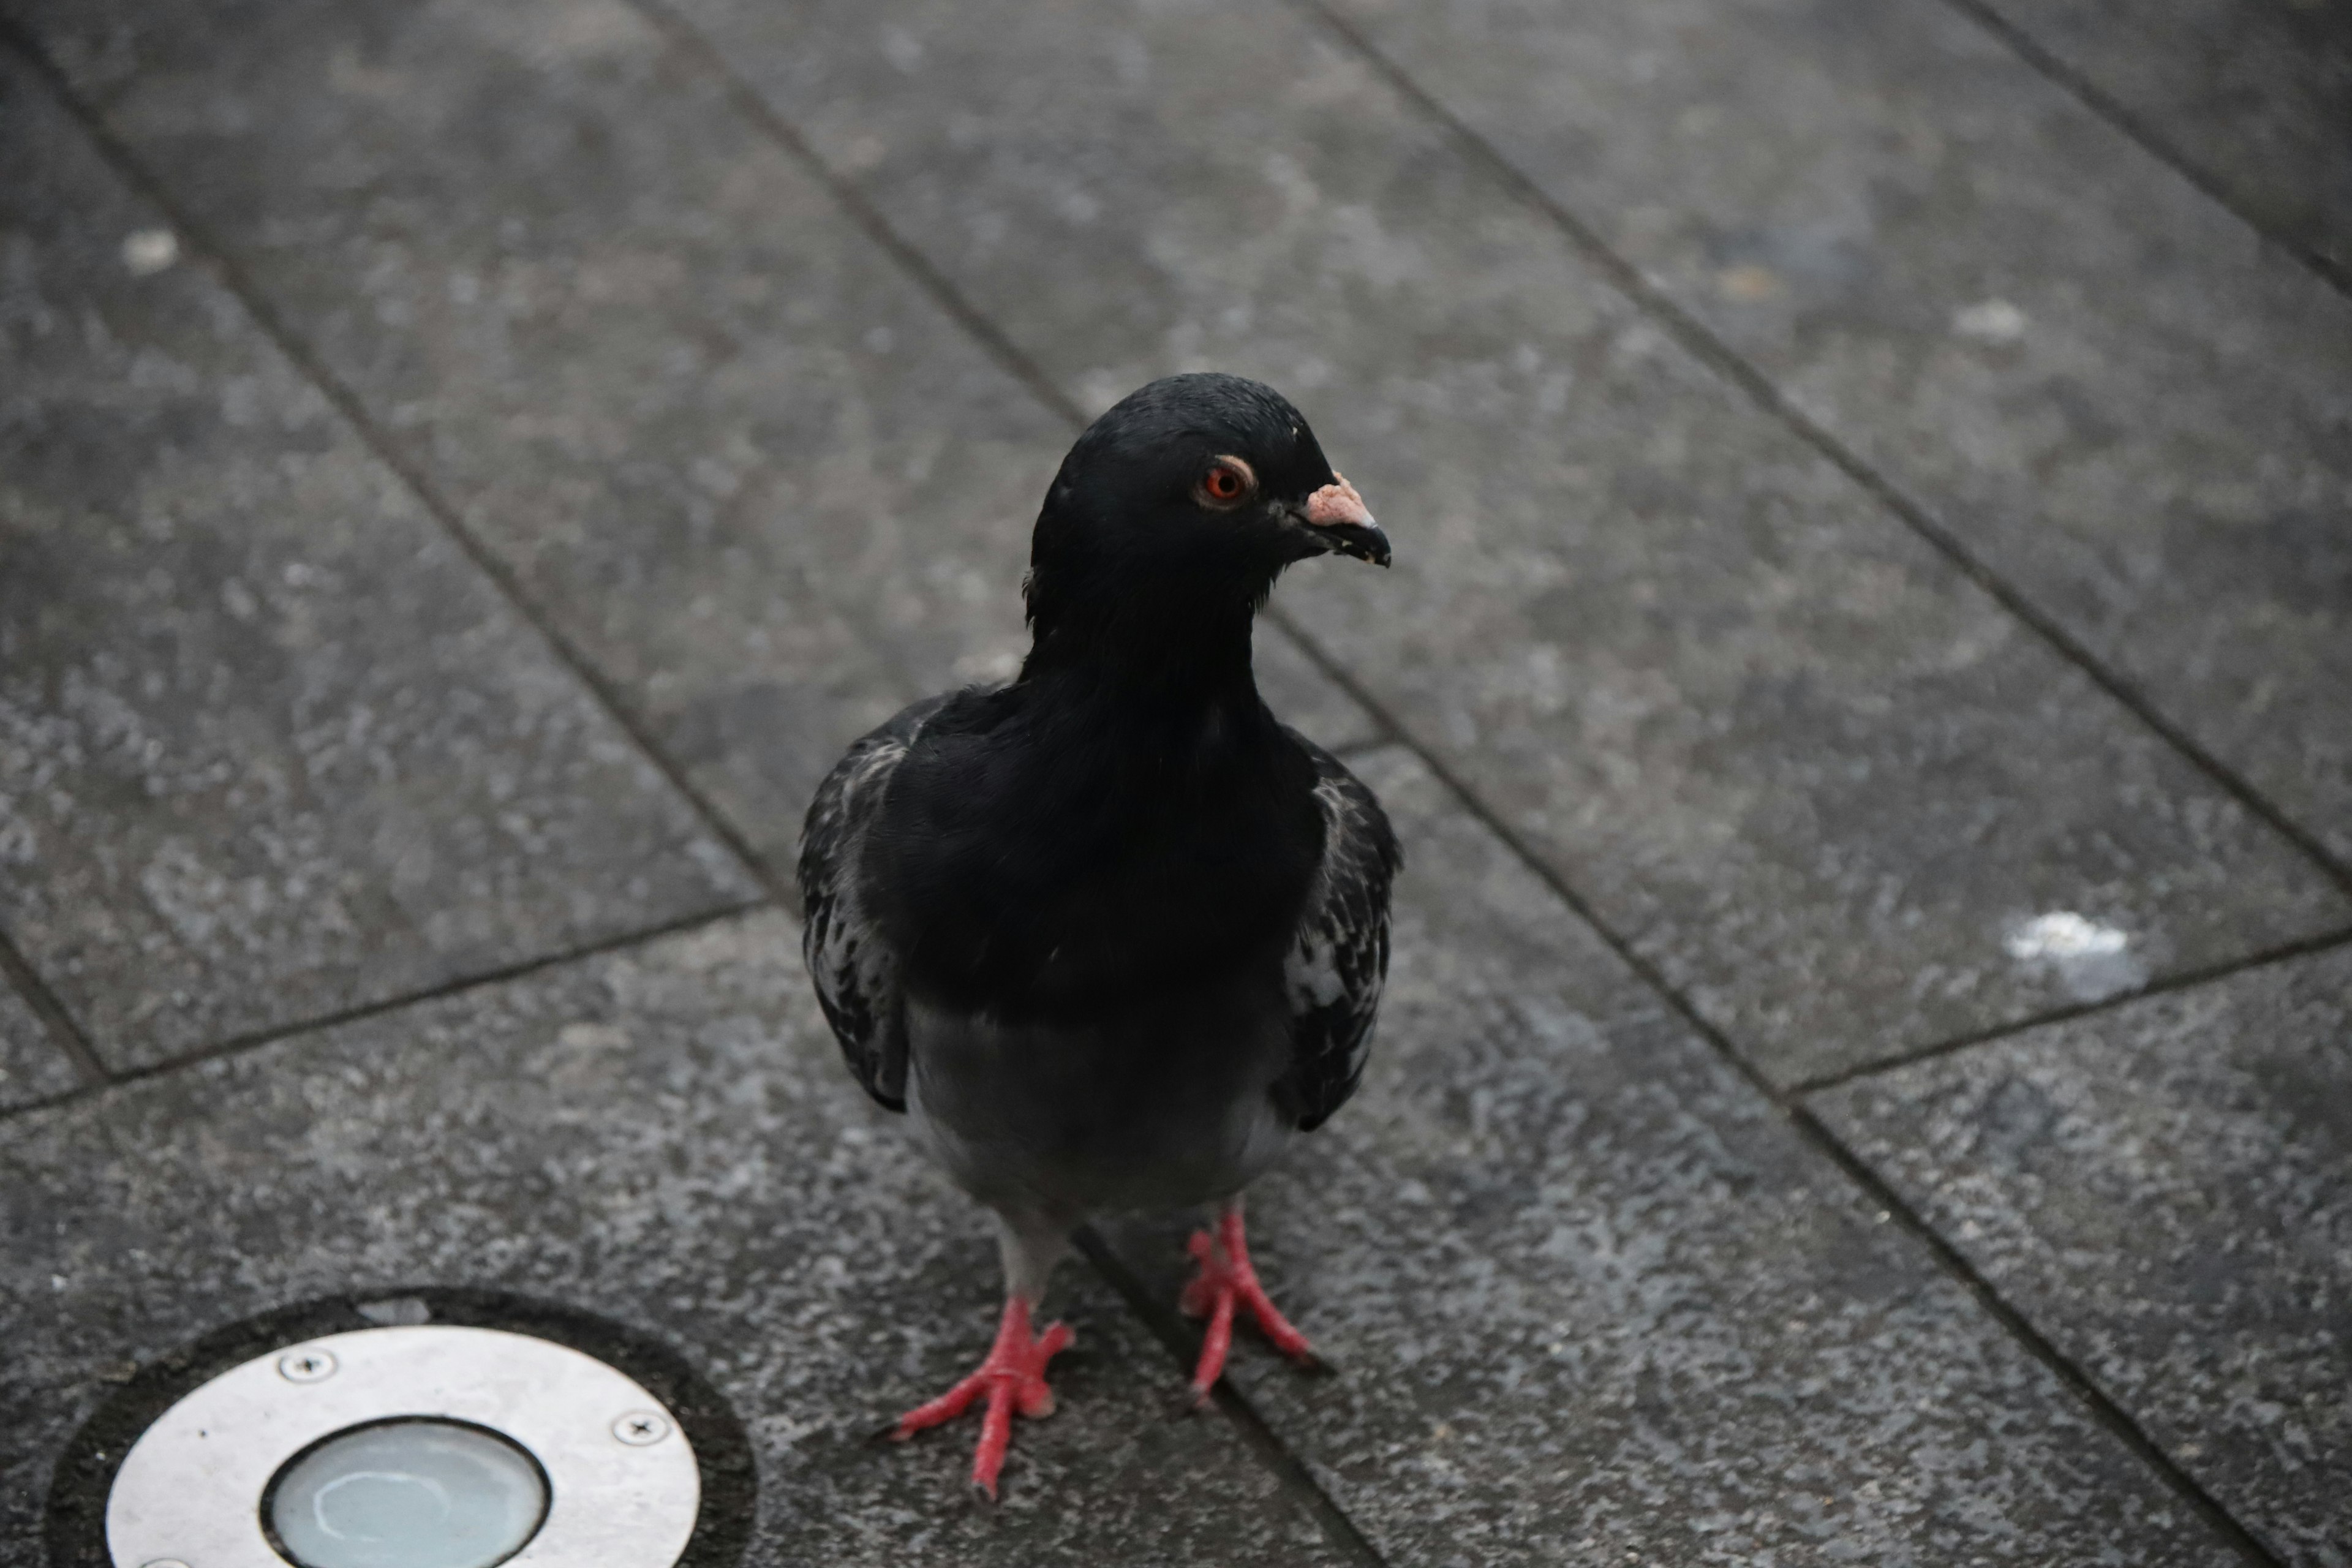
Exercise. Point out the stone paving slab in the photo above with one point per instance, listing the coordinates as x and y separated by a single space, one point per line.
664 1137
31 1065
2256 95
1816 777
2095 376
2163 1188
270 748
771 488
1593 1298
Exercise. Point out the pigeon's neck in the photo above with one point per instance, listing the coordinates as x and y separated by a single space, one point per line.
1149 662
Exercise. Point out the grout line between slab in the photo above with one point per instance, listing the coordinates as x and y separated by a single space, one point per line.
748 101
1269 1449
253 1040
1700 340
346 403
63 1031
2102 1409
2185 979
2106 107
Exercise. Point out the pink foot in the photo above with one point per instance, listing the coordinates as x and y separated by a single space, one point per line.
1226 1280
1012 1377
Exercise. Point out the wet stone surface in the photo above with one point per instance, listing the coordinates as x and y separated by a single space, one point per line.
765 483
2097 378
270 748
667 1139
2164 1189
1812 773
1593 1300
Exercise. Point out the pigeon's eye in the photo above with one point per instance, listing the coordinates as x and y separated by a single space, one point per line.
1227 483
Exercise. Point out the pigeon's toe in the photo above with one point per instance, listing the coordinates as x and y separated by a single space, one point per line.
1227 1284
1012 1378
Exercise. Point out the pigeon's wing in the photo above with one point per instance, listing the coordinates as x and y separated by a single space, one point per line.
856 973
1335 969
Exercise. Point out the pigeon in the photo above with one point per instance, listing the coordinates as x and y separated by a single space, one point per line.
1110 934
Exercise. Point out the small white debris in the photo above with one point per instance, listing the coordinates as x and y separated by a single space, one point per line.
150 250
1990 321
2091 960
2062 934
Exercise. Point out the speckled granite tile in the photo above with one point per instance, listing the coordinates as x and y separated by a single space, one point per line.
665 1137
2094 376
270 747
2255 95
763 479
32 1066
2166 1190
1592 1299
1817 777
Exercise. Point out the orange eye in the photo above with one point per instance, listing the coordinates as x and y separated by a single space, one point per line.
1227 481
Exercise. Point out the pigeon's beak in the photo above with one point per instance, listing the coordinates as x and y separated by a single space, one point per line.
1338 518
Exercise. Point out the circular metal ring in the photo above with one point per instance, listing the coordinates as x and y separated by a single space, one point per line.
615 1501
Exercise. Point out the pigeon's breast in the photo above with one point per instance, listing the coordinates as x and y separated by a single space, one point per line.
1162 1104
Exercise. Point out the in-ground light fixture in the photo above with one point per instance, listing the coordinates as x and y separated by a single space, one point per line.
416 1445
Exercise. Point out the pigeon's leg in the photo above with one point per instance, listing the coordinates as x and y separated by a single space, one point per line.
1012 1377
1226 1281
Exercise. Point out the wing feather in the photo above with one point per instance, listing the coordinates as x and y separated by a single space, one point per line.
856 973
1335 969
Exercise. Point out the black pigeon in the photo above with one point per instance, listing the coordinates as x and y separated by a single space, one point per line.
1111 934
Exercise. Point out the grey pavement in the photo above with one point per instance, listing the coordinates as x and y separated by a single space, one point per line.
32 1065
2163 1185
2251 98
273 747
1861 688
2056 348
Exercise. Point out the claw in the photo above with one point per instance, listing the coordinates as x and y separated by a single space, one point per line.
1226 1281
1012 1378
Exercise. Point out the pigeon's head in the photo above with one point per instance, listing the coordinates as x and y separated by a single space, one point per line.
1193 493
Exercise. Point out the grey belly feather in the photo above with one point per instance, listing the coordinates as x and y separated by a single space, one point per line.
1163 1106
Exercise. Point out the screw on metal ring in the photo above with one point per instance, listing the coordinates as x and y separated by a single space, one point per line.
306 1366
640 1429
164 1562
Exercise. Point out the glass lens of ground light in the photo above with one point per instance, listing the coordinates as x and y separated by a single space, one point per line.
408 1494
